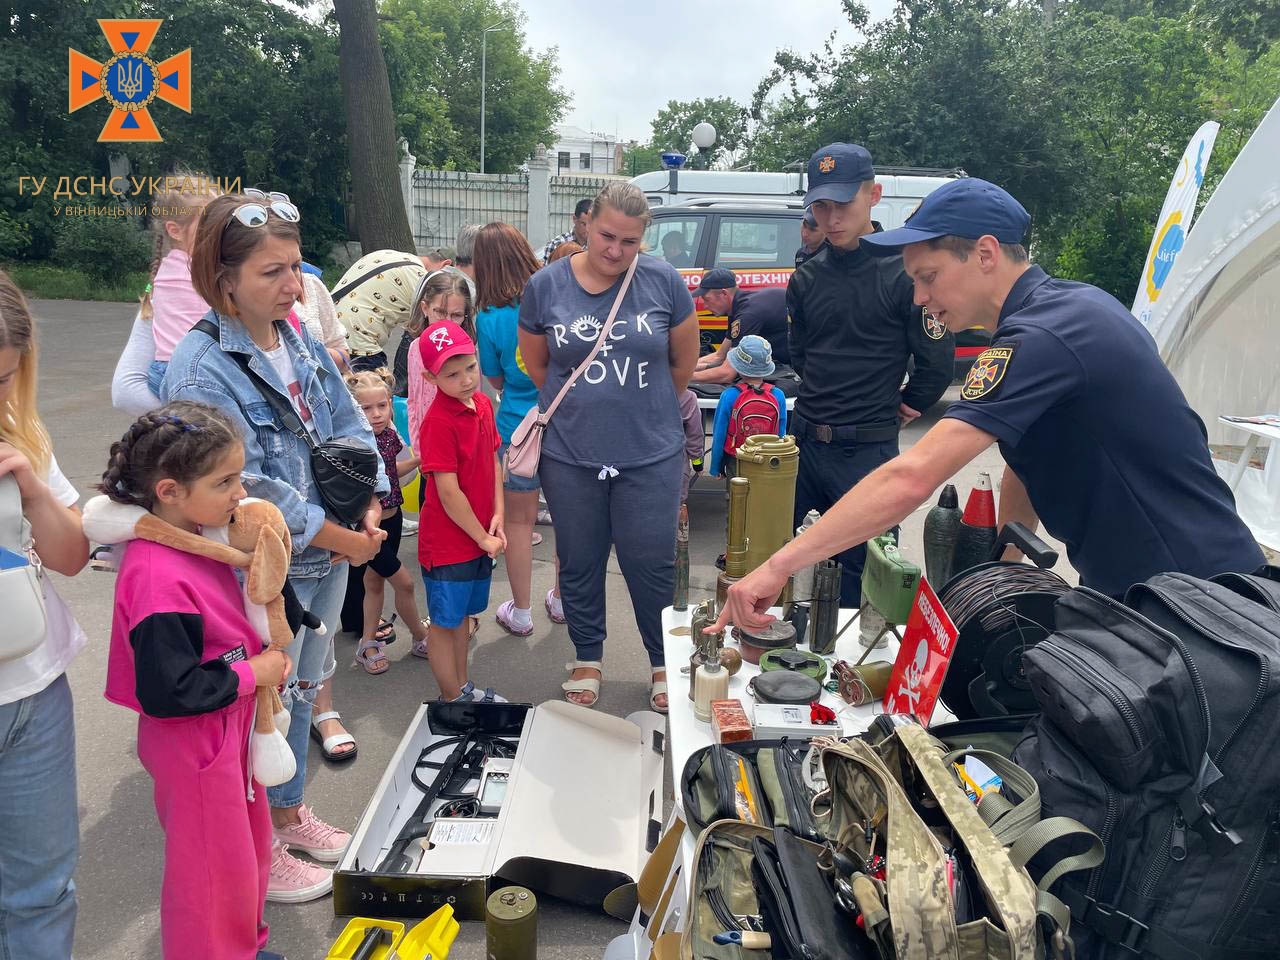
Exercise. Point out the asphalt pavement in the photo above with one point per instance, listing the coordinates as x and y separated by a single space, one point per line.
121 843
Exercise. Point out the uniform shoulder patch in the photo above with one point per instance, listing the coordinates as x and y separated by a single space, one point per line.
735 330
987 372
934 328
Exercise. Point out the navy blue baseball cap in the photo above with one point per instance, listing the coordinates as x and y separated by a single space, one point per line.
968 207
719 278
837 172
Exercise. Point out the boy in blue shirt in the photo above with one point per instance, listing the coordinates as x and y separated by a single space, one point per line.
747 408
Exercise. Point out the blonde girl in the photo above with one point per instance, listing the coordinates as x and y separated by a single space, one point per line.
443 295
40 840
170 302
372 392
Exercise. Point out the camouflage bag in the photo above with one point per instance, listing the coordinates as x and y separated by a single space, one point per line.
721 894
945 879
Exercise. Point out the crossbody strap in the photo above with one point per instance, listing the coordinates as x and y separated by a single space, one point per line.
283 408
11 522
604 332
342 291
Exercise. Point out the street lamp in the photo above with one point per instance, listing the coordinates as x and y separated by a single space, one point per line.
484 38
704 136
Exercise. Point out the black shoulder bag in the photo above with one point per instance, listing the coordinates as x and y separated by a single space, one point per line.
345 469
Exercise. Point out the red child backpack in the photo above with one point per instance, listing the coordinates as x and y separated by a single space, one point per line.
754 411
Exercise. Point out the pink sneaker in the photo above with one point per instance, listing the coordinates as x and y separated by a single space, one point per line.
506 620
294 881
314 837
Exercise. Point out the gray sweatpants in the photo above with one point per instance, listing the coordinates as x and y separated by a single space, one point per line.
634 512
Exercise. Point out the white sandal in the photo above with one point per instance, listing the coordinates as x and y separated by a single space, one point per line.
589 685
658 688
329 744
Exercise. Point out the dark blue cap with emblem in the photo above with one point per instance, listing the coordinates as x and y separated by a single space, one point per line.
719 278
837 172
968 207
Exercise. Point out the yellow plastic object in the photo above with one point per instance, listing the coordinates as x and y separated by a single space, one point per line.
348 941
430 939
411 494
400 416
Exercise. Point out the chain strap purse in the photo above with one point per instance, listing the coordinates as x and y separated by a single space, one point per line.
345 468
21 589
525 449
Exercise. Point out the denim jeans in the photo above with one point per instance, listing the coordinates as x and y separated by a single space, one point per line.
39 825
312 656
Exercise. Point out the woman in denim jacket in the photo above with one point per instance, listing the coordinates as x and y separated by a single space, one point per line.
246 263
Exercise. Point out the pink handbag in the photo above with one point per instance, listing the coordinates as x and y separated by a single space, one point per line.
525 449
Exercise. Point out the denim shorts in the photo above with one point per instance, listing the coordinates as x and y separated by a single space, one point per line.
512 482
456 591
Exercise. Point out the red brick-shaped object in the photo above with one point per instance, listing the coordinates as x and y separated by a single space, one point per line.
729 721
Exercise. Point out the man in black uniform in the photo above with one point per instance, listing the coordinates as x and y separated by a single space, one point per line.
811 237
854 326
1098 439
762 312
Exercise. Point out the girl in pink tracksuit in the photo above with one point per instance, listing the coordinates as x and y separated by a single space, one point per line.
185 657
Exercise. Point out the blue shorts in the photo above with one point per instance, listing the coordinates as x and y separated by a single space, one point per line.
518 484
456 591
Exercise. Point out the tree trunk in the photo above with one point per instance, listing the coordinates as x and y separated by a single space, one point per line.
381 217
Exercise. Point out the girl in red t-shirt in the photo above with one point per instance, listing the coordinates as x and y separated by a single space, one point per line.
185 657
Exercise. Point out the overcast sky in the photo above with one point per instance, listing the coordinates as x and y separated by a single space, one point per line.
622 62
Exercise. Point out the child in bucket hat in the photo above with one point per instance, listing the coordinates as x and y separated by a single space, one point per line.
747 408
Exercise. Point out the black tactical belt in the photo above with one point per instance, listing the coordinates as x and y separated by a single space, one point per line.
850 433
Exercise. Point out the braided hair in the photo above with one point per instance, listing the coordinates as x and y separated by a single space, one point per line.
180 441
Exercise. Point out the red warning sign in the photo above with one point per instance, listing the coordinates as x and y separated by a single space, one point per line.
923 658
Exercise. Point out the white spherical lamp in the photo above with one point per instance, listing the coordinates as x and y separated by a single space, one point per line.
704 135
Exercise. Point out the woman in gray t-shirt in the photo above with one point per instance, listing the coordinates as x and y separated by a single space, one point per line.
613 454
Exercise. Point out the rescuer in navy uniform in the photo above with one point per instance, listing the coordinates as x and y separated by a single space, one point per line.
854 326
1098 439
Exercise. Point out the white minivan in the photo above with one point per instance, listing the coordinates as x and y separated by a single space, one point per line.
902 188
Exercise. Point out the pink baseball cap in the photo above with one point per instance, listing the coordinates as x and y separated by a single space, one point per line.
440 341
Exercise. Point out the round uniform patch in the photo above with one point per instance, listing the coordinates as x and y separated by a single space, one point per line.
934 328
987 372
735 330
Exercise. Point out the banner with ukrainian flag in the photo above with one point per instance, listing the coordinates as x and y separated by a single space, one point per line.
1175 220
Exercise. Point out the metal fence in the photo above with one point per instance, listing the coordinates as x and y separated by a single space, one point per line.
444 200
441 201
567 191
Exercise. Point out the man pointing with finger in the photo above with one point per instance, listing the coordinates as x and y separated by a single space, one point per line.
1098 440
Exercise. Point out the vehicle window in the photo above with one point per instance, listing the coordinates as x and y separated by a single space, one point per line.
675 239
749 243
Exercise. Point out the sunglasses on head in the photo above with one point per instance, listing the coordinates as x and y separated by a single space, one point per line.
256 213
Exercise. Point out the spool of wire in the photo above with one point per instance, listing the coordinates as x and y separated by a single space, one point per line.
1000 609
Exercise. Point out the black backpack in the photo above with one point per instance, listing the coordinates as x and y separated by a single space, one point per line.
1160 718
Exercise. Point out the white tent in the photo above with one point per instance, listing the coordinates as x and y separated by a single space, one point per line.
1217 323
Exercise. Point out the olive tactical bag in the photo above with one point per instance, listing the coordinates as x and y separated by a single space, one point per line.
943 878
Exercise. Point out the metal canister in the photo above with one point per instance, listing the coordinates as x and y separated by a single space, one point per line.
825 608
770 463
736 544
511 925
680 602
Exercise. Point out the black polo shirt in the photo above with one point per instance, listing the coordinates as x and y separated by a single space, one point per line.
761 312
1115 461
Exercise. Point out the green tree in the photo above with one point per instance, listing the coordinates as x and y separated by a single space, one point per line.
266 106
433 53
371 130
673 127
641 158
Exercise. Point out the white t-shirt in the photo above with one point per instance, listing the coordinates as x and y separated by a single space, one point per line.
283 364
63 639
